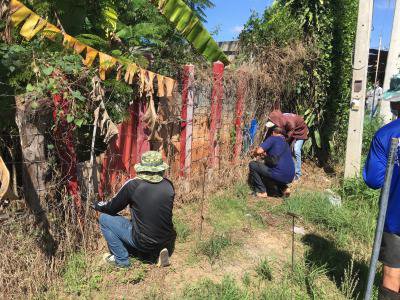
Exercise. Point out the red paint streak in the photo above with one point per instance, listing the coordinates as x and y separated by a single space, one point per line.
216 111
125 151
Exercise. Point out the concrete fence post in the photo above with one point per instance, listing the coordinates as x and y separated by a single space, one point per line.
187 121
216 112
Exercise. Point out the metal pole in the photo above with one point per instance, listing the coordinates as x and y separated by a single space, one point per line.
294 216
381 219
202 200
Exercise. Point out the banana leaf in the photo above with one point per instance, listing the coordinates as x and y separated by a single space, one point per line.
191 28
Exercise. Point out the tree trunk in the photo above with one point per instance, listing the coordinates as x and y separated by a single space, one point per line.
32 124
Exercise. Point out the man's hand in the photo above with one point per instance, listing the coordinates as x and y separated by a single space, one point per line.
258 152
99 205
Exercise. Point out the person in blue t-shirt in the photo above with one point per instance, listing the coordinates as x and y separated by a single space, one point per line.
374 175
277 167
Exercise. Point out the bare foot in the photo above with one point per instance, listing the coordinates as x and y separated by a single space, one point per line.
286 193
262 195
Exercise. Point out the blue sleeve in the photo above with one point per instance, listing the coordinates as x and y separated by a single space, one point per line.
375 166
266 145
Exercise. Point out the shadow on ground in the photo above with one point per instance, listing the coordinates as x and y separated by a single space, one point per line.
324 253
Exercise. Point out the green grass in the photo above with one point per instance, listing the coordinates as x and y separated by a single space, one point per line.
230 211
306 283
344 235
213 247
182 229
77 279
206 289
328 269
370 128
355 219
264 270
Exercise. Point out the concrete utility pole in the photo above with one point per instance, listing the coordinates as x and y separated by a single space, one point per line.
359 87
393 62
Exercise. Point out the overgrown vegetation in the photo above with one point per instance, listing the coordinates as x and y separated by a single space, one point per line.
321 90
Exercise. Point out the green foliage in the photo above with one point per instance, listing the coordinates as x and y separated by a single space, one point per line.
371 126
189 26
230 210
246 279
199 7
275 27
135 28
75 276
327 30
349 282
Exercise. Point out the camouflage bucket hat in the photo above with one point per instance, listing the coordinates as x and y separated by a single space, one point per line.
393 94
150 166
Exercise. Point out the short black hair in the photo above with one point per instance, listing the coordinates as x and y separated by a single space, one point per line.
278 130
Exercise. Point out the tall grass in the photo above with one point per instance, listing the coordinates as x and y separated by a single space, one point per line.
356 218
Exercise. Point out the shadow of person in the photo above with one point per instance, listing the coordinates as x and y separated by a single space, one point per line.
45 241
151 257
324 253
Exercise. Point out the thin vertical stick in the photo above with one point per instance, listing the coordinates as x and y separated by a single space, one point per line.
376 77
92 160
292 245
294 216
202 201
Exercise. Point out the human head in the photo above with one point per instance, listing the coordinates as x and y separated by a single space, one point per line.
395 108
275 118
393 94
277 131
151 167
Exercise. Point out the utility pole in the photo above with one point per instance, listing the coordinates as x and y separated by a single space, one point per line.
393 62
378 61
359 87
